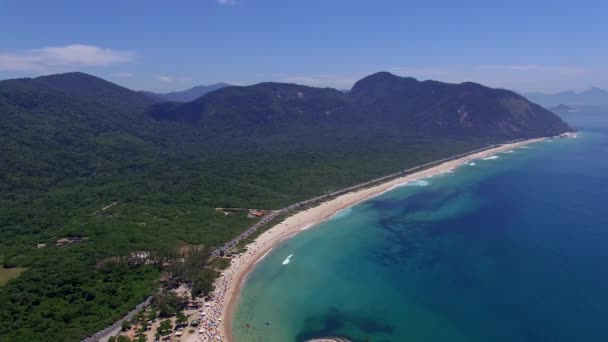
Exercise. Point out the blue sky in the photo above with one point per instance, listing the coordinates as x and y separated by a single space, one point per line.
172 45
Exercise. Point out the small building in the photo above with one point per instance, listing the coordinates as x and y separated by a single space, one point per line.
139 257
257 213
62 242
191 305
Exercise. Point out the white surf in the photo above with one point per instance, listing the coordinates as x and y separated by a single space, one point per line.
286 261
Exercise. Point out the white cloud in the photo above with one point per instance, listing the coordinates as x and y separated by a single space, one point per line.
226 2
165 78
559 69
171 78
12 62
82 55
121 74
62 56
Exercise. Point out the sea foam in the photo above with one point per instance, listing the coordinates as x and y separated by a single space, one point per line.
263 256
342 213
286 261
490 158
418 182
306 226
413 182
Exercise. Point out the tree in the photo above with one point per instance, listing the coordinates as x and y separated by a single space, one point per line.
202 282
167 303
140 317
123 338
126 325
165 327
112 339
142 330
181 319
151 314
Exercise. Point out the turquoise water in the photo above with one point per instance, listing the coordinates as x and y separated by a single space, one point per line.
510 249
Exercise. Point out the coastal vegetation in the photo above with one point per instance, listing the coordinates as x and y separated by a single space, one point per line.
100 186
7 274
167 304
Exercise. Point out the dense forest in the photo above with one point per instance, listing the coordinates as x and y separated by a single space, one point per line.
91 171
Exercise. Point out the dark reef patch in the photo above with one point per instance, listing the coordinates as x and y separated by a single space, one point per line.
336 321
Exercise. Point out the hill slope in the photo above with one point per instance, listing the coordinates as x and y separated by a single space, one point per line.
86 87
185 95
72 144
382 101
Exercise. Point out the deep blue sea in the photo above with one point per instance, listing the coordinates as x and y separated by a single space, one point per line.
513 248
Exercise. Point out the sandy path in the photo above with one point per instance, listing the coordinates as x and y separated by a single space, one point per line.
217 325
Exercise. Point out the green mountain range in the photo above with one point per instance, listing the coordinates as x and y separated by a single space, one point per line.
114 171
184 95
380 101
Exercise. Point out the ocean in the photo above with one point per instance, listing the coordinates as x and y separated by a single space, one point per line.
509 248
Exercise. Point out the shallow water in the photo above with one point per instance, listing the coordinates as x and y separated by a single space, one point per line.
512 248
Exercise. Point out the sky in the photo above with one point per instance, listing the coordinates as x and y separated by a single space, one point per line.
163 45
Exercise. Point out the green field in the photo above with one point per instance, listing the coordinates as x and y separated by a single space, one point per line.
7 274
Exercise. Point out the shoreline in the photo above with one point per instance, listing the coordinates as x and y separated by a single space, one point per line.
229 284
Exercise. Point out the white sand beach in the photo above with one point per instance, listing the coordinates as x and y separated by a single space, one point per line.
217 322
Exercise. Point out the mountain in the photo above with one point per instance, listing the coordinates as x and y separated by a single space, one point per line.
86 87
115 172
186 95
591 96
381 101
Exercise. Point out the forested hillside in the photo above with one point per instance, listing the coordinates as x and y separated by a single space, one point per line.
73 144
185 95
379 104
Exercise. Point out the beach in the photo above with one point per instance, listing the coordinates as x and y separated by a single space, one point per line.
217 323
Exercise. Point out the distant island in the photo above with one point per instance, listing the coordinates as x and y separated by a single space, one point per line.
561 108
110 194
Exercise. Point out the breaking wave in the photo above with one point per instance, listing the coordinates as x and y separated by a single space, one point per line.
490 158
286 261
413 182
417 182
263 256
342 212
306 226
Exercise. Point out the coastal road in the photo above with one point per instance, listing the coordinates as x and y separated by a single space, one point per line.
249 231
114 329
